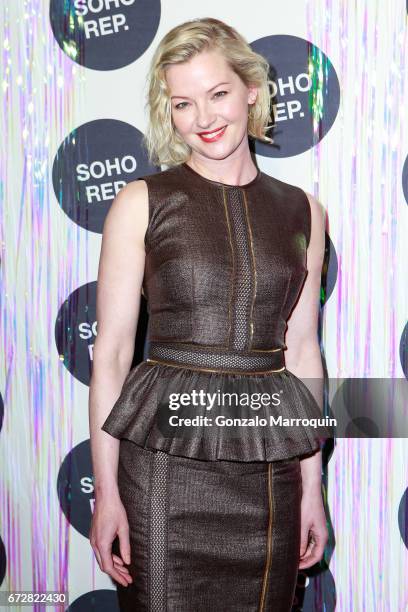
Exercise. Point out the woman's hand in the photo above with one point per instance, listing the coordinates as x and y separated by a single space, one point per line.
314 533
108 521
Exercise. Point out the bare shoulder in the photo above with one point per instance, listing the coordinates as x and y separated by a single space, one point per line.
318 231
129 211
318 212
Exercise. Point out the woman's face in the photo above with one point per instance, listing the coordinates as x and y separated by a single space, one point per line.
206 95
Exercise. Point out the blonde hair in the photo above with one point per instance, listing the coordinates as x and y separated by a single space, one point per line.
164 145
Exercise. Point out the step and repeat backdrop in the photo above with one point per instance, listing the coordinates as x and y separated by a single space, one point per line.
73 82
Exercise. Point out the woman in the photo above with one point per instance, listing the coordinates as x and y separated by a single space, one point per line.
200 519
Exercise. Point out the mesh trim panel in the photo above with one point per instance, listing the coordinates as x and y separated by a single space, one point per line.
216 358
158 535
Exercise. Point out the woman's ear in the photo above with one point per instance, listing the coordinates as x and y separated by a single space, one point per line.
252 94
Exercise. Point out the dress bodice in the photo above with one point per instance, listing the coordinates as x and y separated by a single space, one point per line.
224 264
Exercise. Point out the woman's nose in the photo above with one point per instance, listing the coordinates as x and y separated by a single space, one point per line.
205 118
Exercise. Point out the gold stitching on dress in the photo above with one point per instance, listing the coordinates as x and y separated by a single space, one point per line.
253 265
233 265
269 542
188 367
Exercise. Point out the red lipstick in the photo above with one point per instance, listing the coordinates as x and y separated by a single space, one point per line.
206 136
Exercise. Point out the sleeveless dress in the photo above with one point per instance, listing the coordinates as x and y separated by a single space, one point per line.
214 509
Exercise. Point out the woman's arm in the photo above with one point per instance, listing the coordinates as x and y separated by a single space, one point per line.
118 294
303 358
120 278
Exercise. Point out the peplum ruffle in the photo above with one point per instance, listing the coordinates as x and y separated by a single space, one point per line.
140 415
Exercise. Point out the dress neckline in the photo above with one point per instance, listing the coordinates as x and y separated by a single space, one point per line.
218 183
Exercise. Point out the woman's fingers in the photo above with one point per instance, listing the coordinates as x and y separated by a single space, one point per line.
108 566
125 574
112 565
304 541
118 563
308 552
314 552
103 542
98 556
120 567
124 543
119 577
117 559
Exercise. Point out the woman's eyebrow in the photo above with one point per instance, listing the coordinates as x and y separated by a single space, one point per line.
218 84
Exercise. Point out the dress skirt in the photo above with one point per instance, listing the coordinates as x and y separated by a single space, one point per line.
205 536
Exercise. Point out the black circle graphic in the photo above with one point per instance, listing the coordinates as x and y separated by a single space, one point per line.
315 590
3 561
329 271
75 487
405 180
403 517
92 164
371 407
75 331
403 351
104 34
96 601
1 411
306 94
362 427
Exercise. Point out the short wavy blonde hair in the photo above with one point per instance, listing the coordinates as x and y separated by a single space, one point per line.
163 144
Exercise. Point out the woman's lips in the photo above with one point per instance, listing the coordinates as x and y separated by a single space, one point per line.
214 136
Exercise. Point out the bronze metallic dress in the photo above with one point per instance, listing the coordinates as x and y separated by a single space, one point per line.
213 502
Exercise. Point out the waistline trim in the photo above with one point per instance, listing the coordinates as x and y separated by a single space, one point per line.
214 359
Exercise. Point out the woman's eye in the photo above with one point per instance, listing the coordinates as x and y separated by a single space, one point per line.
181 105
